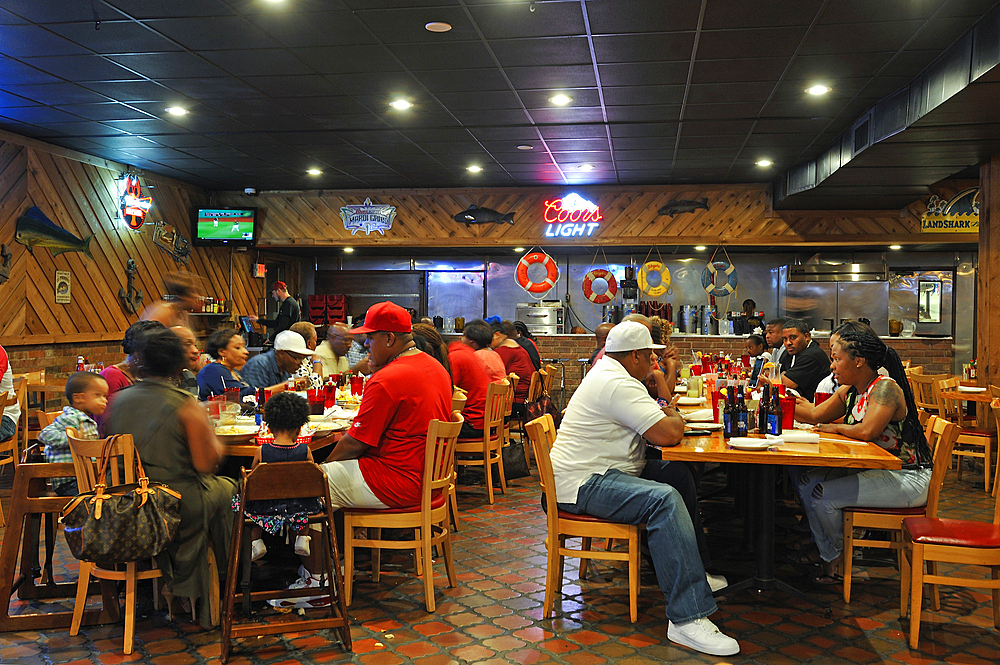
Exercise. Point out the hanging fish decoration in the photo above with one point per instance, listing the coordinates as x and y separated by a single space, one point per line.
676 207
476 215
34 229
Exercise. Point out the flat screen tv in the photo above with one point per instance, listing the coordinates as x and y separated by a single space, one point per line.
225 226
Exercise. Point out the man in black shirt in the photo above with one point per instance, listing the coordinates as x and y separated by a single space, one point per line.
806 364
288 310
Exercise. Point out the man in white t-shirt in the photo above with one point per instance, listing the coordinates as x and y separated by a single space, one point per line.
8 422
598 460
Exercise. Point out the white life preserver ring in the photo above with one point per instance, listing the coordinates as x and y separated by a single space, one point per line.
551 272
588 286
654 267
712 271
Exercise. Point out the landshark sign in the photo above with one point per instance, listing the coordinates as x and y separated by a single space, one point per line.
368 217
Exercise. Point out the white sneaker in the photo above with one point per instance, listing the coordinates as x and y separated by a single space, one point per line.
302 545
257 549
702 635
308 582
716 582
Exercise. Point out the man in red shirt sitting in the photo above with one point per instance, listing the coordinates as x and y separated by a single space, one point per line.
379 463
469 374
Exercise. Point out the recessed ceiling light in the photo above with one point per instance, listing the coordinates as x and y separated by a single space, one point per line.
519 249
895 247
764 162
818 90
400 104
587 167
525 146
176 110
561 100
474 168
700 248
437 26
314 172
348 250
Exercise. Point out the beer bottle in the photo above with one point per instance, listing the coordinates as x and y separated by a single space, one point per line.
742 414
774 417
259 410
729 414
763 408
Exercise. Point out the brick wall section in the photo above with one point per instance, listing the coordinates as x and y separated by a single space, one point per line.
59 360
934 355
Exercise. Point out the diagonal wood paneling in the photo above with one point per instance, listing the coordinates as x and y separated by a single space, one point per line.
737 215
82 198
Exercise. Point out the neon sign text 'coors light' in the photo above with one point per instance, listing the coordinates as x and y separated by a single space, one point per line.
571 216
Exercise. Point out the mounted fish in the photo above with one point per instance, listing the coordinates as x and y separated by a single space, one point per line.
476 215
5 260
35 229
676 207
132 298
170 240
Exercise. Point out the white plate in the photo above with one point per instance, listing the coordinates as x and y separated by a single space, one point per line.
680 389
746 443
970 389
690 401
708 426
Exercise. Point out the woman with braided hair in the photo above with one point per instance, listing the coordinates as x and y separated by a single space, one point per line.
875 408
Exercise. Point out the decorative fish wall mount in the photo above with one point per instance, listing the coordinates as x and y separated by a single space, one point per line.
676 207
476 215
34 229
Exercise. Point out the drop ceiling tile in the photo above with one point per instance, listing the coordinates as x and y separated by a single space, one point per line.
643 113
635 16
348 59
123 141
637 95
718 93
145 9
313 29
322 105
737 15
495 118
469 81
81 128
219 33
542 51
348 121
663 46
556 77
207 125
643 73
539 99
593 131
513 20
119 36
129 91
389 82
38 114
862 37
8 99
758 43
740 69
80 68
483 100
23 41
254 106
105 111
272 61
294 86
577 145
515 135
430 57
56 94
723 111
400 25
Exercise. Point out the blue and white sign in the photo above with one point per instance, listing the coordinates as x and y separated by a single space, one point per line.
368 217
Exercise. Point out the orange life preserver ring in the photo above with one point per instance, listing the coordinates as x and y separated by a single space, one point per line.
551 272
588 289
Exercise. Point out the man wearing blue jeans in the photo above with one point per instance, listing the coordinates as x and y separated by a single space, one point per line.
598 460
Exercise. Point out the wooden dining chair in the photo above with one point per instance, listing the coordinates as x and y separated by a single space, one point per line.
972 441
426 524
995 409
941 436
86 461
458 400
485 451
563 525
952 541
8 446
923 387
535 386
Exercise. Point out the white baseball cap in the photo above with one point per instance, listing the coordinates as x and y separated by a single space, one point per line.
291 341
630 336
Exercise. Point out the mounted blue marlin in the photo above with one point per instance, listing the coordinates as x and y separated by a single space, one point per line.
477 215
35 229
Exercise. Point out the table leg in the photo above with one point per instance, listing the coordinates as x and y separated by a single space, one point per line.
762 504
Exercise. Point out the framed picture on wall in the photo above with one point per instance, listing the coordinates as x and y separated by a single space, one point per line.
63 287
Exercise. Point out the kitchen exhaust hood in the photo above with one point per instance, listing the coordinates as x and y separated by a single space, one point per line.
841 272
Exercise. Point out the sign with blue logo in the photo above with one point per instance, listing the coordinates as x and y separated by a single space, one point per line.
368 217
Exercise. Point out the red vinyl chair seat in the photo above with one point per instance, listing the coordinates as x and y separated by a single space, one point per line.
953 533
437 501
563 515
916 510
974 431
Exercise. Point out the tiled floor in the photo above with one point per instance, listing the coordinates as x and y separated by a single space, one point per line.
494 615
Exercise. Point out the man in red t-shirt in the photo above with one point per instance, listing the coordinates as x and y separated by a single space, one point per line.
469 374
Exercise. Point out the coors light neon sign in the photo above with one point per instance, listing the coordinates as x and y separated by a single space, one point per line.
571 216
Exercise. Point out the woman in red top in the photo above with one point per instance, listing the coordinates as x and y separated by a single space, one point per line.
123 374
515 360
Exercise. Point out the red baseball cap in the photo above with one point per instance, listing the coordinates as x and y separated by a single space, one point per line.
385 317
278 285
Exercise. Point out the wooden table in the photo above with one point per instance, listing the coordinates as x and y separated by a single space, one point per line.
833 450
979 397
250 449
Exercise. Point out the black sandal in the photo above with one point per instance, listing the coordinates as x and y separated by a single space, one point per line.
828 580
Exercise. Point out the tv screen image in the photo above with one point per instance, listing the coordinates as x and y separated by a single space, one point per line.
225 225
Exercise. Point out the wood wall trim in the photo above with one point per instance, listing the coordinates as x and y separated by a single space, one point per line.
32 340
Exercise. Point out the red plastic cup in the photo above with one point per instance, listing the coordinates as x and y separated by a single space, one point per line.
745 359
233 395
717 405
695 370
357 384
819 398
329 395
787 412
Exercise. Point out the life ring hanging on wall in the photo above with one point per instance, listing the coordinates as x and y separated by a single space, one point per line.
710 276
653 287
551 272
588 286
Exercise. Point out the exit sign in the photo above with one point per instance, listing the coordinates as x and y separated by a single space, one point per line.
259 270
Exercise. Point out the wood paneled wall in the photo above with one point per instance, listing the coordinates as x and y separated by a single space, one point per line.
737 214
82 197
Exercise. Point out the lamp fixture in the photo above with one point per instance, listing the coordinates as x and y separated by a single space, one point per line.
519 249
474 168
437 26
818 90
560 99
176 110
895 247
525 146
348 250
700 248
400 104
763 163
314 172
587 167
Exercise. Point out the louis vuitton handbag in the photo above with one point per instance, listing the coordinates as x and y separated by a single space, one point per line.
121 523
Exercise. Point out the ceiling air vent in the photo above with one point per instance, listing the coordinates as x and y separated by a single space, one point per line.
861 134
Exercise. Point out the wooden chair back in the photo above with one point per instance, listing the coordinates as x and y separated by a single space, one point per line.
943 435
87 460
458 399
949 408
994 391
439 460
286 480
913 369
536 386
499 398
46 418
512 380
906 363
9 399
923 387
542 434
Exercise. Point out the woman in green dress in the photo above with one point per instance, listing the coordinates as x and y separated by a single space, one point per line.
179 448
